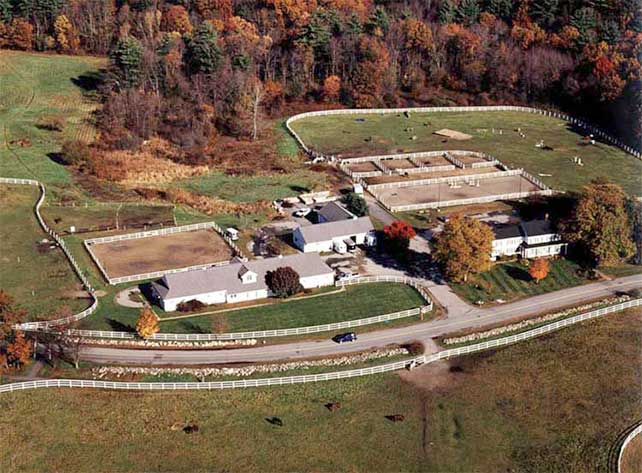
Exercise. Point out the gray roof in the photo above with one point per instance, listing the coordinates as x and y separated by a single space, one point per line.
334 212
331 230
506 230
227 277
537 227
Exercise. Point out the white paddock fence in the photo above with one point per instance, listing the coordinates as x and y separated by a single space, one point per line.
202 337
90 242
497 108
287 380
627 440
45 325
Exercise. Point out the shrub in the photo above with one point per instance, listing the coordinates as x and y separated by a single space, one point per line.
147 324
75 153
190 306
356 204
51 123
283 282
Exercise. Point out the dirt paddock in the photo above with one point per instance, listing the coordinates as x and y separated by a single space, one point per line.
443 192
159 253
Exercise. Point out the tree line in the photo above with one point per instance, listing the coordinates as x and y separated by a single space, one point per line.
187 70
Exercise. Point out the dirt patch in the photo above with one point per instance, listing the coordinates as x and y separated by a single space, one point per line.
453 134
159 253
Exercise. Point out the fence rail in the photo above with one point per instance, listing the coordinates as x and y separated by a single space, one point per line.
634 433
287 380
446 180
496 108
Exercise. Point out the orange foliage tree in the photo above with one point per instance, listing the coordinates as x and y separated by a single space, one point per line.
19 349
21 35
539 269
177 19
147 324
331 88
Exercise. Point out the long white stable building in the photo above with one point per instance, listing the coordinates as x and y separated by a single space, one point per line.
238 281
326 237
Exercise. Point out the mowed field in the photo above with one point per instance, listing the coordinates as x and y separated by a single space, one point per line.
158 253
385 134
42 282
554 404
34 87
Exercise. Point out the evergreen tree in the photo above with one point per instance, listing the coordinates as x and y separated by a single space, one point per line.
584 20
127 57
447 12
610 32
500 8
468 11
202 53
544 12
6 10
378 23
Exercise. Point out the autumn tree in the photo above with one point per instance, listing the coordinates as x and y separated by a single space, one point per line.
397 237
283 282
331 88
176 19
19 349
463 248
21 34
600 224
147 324
538 269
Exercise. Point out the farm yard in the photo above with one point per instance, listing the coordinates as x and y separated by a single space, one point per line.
37 276
373 134
160 253
487 412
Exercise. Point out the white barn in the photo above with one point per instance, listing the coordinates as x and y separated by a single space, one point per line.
238 281
532 239
324 237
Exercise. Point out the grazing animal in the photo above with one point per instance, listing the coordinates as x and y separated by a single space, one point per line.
333 406
190 428
396 418
275 421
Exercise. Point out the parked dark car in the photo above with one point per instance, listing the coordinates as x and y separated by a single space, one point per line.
345 337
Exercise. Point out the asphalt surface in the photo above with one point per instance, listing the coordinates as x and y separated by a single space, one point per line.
455 320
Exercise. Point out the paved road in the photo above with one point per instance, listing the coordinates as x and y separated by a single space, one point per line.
455 321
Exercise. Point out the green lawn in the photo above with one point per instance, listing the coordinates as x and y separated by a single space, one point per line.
386 134
554 404
251 189
511 281
42 283
35 86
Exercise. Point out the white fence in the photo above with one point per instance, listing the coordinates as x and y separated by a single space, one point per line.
201 337
497 108
160 232
287 380
451 203
445 180
635 432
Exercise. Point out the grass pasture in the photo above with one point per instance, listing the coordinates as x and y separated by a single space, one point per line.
553 404
386 134
42 282
102 217
34 87
510 281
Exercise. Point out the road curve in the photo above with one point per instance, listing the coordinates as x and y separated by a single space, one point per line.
455 321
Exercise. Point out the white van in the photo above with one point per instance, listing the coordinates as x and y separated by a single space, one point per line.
340 247
232 233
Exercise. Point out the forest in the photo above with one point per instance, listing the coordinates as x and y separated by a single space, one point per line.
191 72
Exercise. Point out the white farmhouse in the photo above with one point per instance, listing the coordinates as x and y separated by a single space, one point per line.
532 239
325 237
238 281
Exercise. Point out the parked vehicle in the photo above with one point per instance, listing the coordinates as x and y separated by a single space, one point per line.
302 212
351 245
345 337
346 275
232 233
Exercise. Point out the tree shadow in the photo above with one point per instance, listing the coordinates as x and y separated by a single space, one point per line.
519 274
90 81
57 158
299 189
118 326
